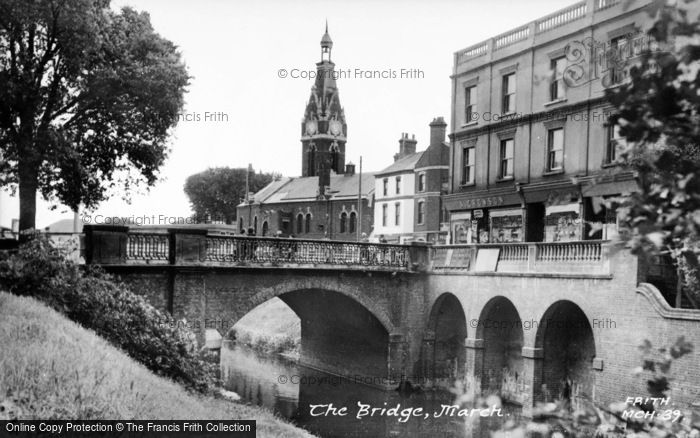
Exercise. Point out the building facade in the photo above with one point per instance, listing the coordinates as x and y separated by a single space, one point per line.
533 155
330 200
408 203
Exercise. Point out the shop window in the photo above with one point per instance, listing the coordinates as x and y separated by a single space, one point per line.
601 219
562 223
506 225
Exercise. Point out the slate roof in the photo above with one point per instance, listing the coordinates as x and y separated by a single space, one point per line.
305 188
406 163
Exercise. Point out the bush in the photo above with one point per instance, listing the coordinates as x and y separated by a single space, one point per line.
94 299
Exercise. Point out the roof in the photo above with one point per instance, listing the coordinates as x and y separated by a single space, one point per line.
404 164
63 226
306 188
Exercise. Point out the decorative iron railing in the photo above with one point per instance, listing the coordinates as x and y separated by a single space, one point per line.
240 249
150 247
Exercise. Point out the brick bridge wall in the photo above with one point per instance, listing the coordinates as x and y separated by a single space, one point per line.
353 322
430 325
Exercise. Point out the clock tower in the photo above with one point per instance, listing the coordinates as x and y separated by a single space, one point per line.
323 128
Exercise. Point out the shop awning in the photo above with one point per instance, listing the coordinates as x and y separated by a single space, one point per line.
624 187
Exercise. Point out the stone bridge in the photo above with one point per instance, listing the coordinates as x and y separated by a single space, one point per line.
531 321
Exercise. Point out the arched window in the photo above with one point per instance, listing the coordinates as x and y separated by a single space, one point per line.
300 223
255 226
343 222
311 160
334 157
264 229
353 222
307 225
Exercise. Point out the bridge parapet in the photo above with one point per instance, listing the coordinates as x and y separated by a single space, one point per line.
590 257
197 247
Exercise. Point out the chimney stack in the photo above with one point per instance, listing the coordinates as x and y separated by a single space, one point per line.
349 169
407 146
438 129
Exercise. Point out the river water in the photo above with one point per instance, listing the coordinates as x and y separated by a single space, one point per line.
288 389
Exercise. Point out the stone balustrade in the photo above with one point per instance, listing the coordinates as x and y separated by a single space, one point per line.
199 246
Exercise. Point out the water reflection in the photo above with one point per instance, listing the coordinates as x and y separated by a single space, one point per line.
290 390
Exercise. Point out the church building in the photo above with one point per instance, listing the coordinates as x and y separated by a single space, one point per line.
330 200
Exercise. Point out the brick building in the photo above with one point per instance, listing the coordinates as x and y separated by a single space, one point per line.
408 205
532 153
329 200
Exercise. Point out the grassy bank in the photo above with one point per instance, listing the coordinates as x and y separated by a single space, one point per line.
55 369
272 327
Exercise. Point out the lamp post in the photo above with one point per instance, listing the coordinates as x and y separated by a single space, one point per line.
329 212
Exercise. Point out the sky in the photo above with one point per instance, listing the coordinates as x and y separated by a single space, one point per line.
235 51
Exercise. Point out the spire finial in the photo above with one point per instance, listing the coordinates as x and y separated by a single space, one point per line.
326 25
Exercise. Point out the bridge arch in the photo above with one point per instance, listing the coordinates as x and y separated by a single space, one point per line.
501 329
308 284
446 330
566 340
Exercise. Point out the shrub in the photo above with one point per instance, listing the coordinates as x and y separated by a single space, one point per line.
97 301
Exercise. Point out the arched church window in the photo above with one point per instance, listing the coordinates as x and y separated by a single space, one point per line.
353 222
311 160
335 158
300 223
307 225
343 222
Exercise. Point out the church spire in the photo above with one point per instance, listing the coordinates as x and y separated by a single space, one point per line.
323 128
326 45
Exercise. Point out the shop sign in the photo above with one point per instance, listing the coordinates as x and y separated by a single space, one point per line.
467 204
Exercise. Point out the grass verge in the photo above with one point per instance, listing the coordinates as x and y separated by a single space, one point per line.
52 368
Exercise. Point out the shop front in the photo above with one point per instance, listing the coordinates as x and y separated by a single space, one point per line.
600 205
506 225
562 223
485 219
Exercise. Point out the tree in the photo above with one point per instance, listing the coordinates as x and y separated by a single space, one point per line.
87 99
658 111
217 191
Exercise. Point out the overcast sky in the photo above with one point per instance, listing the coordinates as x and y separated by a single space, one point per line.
234 51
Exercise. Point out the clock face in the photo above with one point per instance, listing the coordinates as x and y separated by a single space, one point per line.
336 127
311 127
